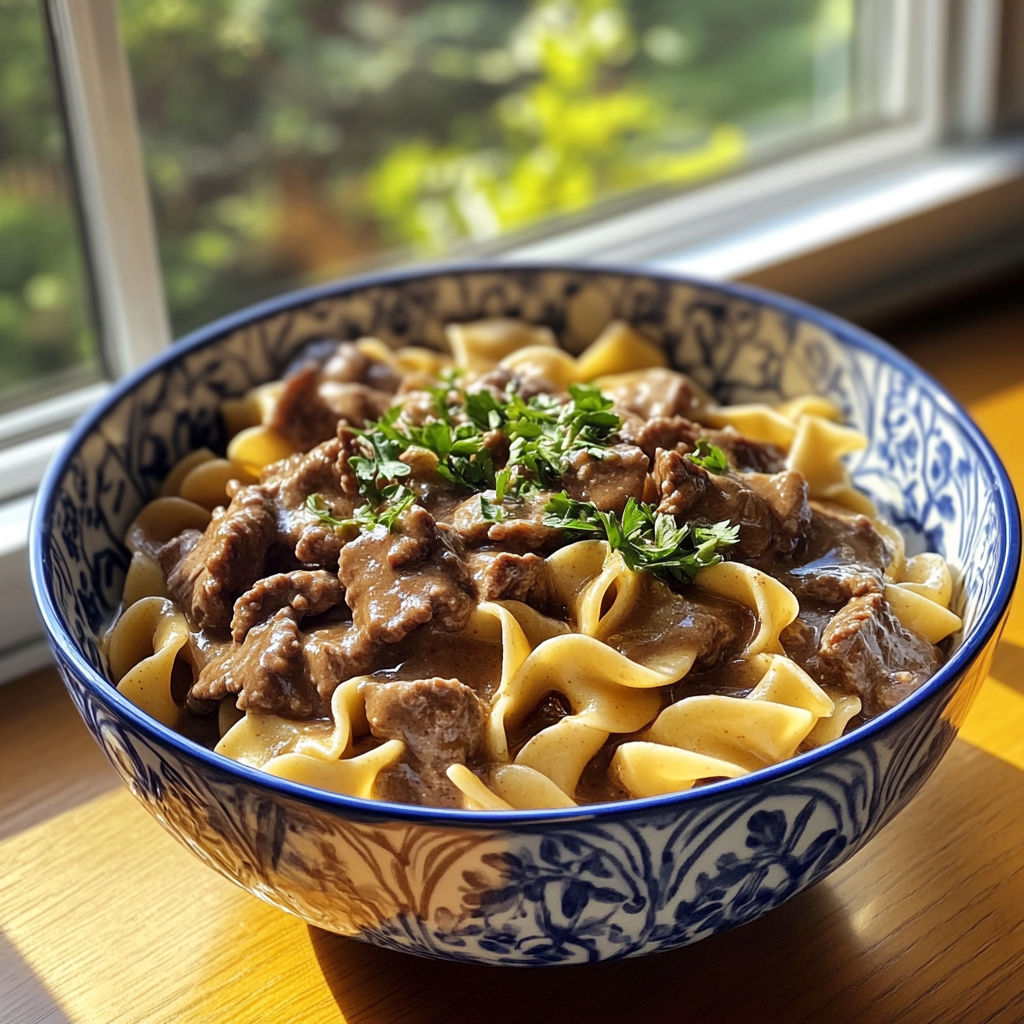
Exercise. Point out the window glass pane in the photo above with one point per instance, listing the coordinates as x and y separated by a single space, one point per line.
289 140
47 338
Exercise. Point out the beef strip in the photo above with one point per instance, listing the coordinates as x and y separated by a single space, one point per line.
329 385
305 592
336 653
322 470
348 364
608 481
654 392
865 650
207 572
267 670
843 556
504 576
771 511
680 434
440 721
526 385
520 531
397 581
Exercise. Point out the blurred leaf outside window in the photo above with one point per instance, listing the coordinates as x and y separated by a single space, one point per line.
288 141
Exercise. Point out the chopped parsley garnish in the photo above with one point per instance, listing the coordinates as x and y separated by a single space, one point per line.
708 456
491 510
542 435
395 500
648 541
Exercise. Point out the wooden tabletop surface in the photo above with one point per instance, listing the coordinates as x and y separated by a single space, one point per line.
104 918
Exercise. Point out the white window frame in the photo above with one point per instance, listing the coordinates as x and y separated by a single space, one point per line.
782 224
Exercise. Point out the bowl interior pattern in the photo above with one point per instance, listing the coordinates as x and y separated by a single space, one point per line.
643 876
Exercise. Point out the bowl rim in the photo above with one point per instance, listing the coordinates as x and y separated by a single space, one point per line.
68 656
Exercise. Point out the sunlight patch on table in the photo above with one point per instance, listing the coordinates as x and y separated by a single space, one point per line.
995 723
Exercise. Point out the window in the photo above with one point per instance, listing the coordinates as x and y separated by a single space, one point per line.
48 341
290 140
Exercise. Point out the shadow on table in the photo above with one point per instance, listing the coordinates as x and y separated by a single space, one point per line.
783 967
23 996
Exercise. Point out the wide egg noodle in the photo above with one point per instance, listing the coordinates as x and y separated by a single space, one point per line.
897 547
921 614
919 596
795 409
142 649
513 787
773 604
847 707
519 629
561 751
619 349
607 693
594 585
479 346
317 753
602 597
144 578
425 361
553 364
256 406
771 424
160 520
353 776
207 483
723 737
475 794
526 789
171 486
255 448
228 714
758 421
644 768
928 574
817 452
257 737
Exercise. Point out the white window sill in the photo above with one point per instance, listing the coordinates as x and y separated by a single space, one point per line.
859 246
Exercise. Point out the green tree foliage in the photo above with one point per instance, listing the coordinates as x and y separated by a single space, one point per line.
287 140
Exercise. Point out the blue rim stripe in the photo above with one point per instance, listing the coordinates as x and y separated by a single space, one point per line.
61 641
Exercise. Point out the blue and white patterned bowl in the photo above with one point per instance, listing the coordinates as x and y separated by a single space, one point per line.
540 887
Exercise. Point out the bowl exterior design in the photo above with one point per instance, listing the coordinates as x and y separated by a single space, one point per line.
578 891
561 887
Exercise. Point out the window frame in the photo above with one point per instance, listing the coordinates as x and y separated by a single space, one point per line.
778 223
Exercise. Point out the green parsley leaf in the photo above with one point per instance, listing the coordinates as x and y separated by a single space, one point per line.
708 456
502 479
396 499
568 514
490 510
648 541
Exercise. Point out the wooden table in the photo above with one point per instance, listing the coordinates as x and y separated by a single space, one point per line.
104 918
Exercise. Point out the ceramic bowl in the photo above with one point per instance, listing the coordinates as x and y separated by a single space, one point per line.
539 887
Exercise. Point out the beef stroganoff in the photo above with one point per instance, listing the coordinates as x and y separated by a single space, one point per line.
516 578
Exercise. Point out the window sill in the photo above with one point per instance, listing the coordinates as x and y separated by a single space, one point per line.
859 241
862 246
